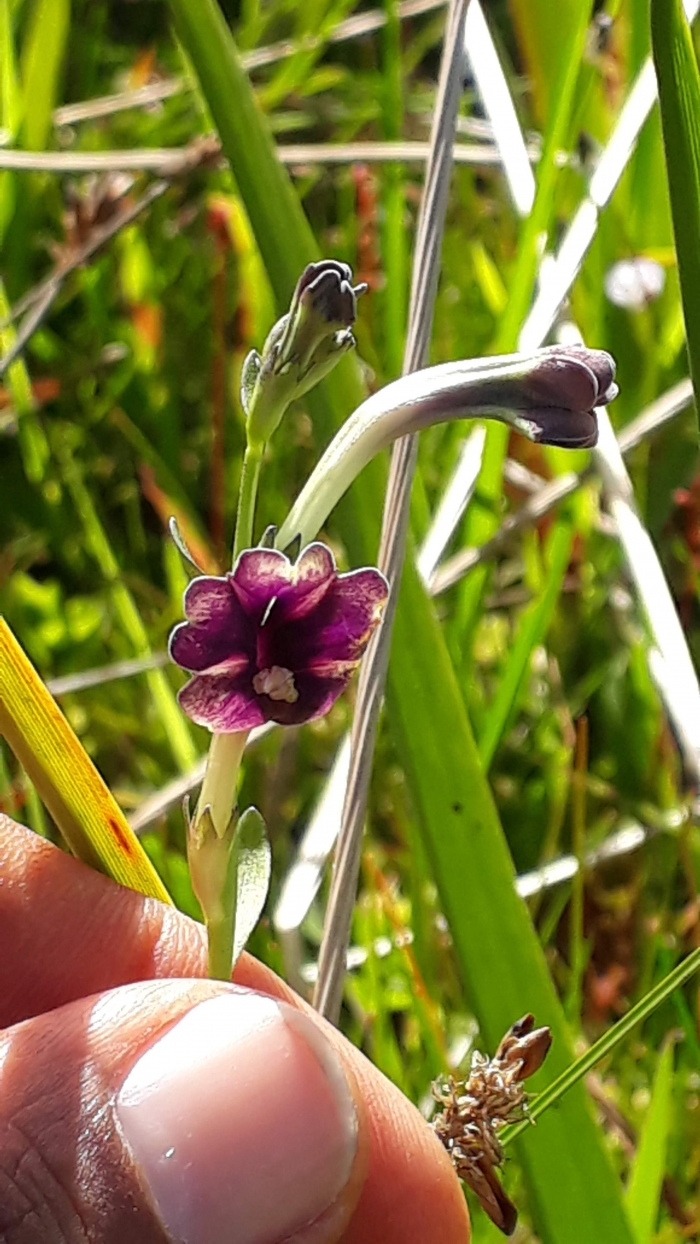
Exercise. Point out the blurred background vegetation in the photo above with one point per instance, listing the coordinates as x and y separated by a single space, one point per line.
123 410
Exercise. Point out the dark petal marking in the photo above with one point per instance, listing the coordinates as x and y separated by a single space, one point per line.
191 649
221 703
331 297
258 576
194 649
218 628
312 272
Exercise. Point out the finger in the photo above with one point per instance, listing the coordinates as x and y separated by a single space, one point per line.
68 931
188 1111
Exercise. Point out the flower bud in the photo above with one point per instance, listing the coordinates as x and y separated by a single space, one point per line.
302 347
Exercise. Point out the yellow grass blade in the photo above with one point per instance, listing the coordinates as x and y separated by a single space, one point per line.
65 778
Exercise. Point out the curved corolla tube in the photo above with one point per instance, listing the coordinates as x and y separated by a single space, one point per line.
550 397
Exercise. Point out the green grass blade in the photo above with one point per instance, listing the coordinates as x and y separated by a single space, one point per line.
42 58
483 516
281 229
500 957
33 444
10 93
501 960
646 1006
644 1188
175 725
531 631
679 100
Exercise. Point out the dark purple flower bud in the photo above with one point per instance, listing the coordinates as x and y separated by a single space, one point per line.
302 347
272 640
325 290
562 391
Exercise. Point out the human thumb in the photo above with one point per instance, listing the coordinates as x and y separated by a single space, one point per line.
176 1111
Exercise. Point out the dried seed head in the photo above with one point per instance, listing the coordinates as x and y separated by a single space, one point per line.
475 1109
526 1045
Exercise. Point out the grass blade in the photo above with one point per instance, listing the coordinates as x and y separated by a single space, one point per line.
679 100
644 1188
336 930
41 65
531 631
646 1006
175 725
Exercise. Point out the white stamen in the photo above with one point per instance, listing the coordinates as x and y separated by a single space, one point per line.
278 683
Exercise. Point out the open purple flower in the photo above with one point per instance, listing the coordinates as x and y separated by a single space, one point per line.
272 640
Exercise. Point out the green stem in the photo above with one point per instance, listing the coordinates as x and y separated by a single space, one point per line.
218 791
250 475
220 946
689 966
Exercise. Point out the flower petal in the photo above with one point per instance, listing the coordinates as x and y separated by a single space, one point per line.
567 428
194 649
210 599
573 377
603 367
561 380
258 577
314 575
222 703
217 630
342 626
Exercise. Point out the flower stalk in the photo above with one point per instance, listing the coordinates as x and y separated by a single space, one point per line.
301 348
245 517
213 862
218 793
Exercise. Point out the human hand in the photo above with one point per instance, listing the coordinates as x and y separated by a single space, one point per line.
152 1108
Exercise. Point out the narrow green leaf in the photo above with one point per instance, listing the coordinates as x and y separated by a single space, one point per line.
566 51
42 58
679 100
33 445
173 720
280 227
648 1168
504 970
531 630
10 95
641 1010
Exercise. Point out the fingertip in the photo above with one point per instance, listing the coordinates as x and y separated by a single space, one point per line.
411 1194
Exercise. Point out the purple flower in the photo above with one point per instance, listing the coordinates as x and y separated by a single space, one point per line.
272 640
